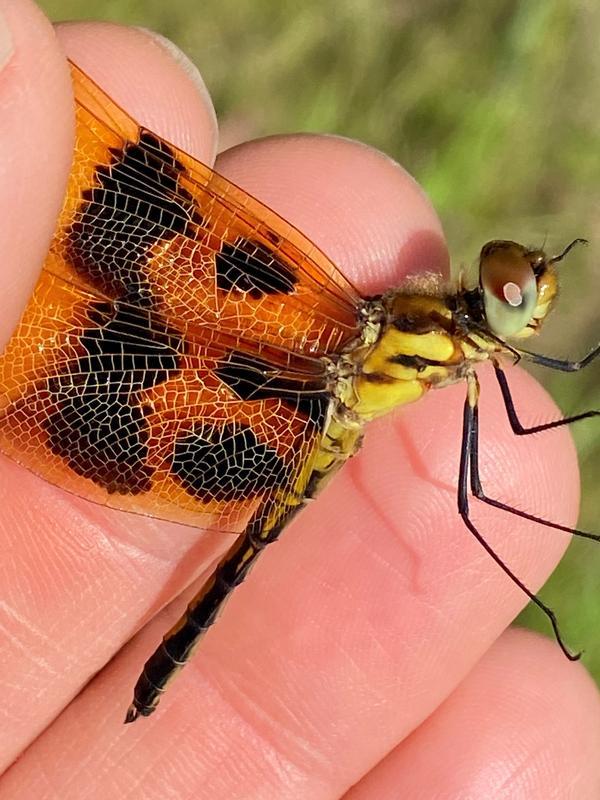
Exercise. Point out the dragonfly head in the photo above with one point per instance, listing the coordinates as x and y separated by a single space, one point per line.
517 286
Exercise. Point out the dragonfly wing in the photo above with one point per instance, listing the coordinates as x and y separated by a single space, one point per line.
116 404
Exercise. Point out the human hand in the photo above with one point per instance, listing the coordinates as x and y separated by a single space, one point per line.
376 605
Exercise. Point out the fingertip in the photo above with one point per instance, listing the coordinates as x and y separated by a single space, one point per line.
361 208
36 142
150 78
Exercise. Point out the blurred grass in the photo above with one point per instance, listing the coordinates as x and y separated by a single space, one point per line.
494 113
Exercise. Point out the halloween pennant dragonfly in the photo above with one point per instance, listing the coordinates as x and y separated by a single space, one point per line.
189 355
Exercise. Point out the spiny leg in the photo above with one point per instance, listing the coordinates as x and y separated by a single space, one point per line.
468 456
560 364
477 488
515 424
179 643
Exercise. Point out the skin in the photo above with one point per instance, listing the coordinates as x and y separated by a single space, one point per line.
366 650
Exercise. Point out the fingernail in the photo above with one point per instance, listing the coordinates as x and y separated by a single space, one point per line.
6 45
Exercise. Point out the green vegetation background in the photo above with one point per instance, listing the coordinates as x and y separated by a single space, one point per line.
494 111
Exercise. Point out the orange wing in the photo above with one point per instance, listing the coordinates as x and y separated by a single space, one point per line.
111 402
144 221
168 362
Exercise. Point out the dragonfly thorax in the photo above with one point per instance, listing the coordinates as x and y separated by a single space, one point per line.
417 345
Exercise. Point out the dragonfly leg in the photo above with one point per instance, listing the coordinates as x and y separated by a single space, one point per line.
179 643
469 471
477 488
560 364
515 423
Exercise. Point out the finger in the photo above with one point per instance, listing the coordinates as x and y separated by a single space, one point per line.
524 724
72 566
36 142
377 602
370 215
149 77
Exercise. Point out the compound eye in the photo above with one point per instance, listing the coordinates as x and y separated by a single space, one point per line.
509 289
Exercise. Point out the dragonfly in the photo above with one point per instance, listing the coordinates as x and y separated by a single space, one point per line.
189 355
